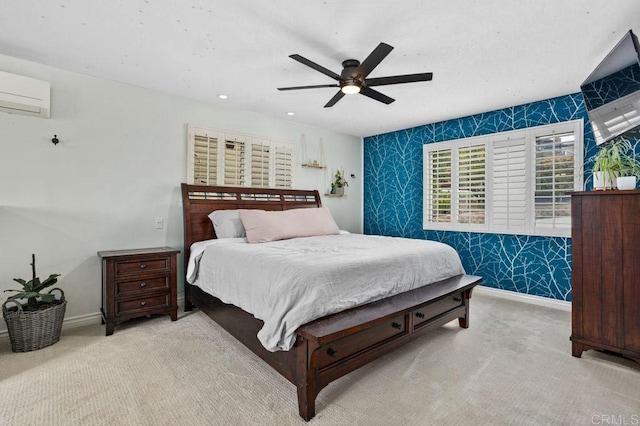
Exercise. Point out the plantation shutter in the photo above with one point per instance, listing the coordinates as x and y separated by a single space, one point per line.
438 186
509 187
471 184
554 178
260 160
234 167
205 160
215 157
284 166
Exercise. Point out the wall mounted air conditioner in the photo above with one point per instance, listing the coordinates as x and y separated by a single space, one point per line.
24 95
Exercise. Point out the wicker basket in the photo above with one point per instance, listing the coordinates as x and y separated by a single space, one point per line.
31 330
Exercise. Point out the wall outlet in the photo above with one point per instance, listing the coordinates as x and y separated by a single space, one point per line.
159 222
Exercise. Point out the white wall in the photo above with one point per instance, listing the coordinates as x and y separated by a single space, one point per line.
118 166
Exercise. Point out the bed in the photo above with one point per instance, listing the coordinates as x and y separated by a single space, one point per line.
329 347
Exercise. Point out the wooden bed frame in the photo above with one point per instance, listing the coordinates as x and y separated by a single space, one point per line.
329 347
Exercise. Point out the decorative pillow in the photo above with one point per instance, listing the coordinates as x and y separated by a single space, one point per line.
227 224
265 226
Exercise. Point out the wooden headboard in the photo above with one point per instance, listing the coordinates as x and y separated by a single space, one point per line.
199 201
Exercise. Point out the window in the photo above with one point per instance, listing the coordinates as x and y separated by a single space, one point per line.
219 158
438 186
512 182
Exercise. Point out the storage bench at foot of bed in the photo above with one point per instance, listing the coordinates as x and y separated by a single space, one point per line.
330 347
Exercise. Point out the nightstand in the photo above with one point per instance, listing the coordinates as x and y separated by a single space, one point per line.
138 282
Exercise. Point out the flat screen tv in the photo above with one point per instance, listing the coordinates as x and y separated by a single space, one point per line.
612 92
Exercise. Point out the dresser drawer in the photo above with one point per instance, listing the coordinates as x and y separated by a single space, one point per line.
347 346
431 310
141 266
141 304
124 288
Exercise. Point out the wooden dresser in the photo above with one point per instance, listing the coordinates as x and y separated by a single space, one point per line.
137 283
606 272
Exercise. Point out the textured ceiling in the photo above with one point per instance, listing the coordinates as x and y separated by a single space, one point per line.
484 55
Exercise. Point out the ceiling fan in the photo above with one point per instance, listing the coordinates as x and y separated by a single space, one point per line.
353 78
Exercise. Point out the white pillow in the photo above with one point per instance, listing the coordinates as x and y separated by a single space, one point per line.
227 224
264 226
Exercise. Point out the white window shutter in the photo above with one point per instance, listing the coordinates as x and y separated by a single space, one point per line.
284 166
509 186
471 194
554 178
260 161
205 160
437 186
234 163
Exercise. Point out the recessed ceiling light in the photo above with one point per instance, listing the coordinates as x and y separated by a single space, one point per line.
291 113
223 96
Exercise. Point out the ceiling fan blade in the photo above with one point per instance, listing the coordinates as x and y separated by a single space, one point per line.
335 99
315 66
374 94
372 61
318 86
399 79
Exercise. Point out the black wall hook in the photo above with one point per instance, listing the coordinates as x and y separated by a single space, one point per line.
55 140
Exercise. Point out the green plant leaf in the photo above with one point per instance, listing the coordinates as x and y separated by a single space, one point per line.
48 282
20 280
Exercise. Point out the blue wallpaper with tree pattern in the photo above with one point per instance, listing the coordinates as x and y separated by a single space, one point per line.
393 198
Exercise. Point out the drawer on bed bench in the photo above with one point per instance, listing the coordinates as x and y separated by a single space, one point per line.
347 346
432 309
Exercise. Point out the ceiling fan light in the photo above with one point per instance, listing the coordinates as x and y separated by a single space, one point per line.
350 89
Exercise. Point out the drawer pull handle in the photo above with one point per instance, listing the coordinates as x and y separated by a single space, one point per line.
419 314
457 299
396 325
143 266
143 284
143 303
332 352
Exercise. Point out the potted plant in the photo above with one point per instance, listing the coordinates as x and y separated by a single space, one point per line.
339 183
36 323
612 163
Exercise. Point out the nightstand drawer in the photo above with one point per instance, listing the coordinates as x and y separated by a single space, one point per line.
124 288
141 266
129 306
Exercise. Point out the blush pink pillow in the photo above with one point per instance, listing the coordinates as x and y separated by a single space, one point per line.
264 226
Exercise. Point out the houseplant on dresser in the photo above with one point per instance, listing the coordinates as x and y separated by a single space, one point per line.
36 323
615 166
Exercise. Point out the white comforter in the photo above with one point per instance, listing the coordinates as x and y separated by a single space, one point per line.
291 282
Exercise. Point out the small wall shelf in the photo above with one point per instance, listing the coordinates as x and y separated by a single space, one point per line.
335 195
314 166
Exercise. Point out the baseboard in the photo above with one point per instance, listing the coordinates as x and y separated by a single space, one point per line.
83 320
525 298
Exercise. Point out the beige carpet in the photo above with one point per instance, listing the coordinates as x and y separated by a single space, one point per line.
513 366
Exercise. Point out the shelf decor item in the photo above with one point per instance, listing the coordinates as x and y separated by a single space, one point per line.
307 161
339 183
37 323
